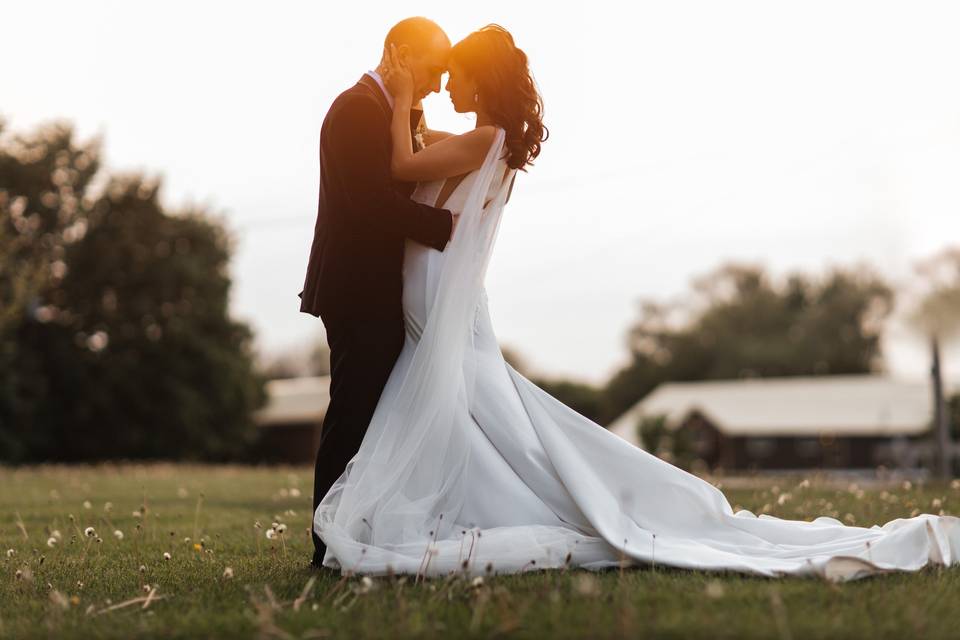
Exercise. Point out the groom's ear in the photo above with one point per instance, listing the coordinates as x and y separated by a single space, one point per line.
403 52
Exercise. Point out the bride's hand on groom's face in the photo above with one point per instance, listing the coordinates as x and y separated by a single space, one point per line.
398 77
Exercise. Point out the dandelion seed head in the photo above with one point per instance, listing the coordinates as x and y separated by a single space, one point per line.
118 534
228 573
166 555
56 534
271 534
143 568
89 532
714 589
51 541
87 505
11 553
281 528
108 506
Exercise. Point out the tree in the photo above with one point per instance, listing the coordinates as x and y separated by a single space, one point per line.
740 323
123 345
937 316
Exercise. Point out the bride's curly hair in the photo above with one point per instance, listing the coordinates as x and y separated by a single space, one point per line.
510 95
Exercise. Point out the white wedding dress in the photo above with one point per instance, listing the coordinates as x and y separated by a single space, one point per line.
468 466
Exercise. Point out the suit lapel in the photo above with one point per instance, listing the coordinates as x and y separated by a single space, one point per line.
415 114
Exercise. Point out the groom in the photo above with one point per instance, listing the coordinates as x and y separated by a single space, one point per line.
354 274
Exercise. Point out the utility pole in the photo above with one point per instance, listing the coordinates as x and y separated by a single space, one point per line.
941 421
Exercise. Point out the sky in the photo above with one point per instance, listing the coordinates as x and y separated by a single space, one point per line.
683 134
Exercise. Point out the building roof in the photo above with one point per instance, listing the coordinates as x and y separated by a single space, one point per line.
295 400
856 405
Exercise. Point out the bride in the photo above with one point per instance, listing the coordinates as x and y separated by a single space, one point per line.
468 466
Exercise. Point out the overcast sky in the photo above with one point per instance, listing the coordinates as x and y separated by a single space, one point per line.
683 134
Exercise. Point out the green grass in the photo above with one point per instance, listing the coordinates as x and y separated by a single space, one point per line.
65 591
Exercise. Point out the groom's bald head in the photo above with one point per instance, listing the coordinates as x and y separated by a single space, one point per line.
423 45
419 34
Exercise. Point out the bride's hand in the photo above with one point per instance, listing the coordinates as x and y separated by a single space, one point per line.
398 77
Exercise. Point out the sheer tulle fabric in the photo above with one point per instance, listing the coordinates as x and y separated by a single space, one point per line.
468 466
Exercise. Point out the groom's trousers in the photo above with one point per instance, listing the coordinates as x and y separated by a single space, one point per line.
362 354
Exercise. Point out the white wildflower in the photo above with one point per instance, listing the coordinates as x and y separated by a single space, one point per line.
271 534
89 532
714 589
166 555
51 541
118 534
366 584
281 528
11 553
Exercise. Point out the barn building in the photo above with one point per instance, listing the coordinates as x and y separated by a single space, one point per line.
289 424
826 422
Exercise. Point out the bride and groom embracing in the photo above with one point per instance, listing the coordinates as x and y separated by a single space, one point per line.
435 454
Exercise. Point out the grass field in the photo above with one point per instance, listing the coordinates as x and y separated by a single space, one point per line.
225 578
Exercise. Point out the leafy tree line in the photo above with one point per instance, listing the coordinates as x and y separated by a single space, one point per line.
115 339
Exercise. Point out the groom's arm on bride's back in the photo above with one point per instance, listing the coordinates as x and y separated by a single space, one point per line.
359 139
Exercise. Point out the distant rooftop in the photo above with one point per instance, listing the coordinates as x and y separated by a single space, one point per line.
295 400
856 405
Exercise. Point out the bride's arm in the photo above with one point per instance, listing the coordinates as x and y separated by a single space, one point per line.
451 156
431 136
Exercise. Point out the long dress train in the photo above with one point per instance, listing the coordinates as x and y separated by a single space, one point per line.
468 466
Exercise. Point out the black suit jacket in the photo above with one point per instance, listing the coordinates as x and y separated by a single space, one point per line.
363 216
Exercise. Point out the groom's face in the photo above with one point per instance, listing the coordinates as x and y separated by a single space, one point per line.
428 65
